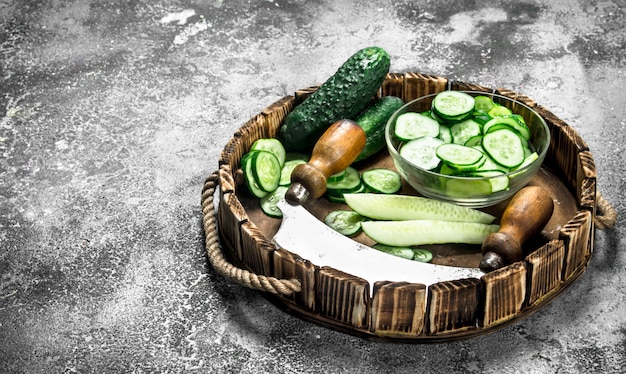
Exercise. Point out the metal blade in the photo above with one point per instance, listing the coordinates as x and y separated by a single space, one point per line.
303 234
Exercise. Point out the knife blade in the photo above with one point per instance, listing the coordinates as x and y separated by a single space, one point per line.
303 234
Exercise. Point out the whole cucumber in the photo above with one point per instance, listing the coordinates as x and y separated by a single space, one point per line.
373 120
344 95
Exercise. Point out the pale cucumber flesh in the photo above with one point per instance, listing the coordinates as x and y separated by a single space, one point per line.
422 232
406 207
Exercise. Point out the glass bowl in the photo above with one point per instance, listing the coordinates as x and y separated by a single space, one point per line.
472 191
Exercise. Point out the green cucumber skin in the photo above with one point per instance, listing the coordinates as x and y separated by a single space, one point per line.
344 95
373 121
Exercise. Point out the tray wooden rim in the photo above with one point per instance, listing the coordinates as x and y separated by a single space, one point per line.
448 311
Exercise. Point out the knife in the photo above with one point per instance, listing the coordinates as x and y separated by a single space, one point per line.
303 234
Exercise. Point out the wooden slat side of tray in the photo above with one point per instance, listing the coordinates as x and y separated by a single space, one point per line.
545 271
393 85
257 251
468 86
274 115
517 96
287 266
453 306
398 308
576 234
417 85
504 293
565 146
301 94
231 215
586 185
342 297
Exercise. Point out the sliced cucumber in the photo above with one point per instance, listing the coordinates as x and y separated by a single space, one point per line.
460 157
346 222
271 145
499 110
445 134
483 103
505 147
268 202
382 180
422 152
420 232
251 182
404 252
351 181
335 178
468 187
287 169
405 207
422 255
511 122
453 106
413 125
465 130
266 169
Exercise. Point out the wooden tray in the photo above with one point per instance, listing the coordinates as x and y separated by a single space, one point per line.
240 247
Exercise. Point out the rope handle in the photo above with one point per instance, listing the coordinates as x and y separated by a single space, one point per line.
606 215
251 280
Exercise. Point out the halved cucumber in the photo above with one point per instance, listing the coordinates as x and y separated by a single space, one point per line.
406 207
420 232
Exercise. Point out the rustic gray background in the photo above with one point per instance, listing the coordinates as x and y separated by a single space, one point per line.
112 113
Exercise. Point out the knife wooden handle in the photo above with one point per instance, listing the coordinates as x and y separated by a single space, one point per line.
524 217
335 150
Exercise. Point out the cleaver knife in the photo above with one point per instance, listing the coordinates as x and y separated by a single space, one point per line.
303 234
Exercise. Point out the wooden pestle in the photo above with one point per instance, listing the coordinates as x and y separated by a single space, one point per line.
335 150
524 217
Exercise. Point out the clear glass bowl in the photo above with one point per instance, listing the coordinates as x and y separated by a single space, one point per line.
434 185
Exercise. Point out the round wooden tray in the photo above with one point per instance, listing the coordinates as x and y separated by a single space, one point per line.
239 243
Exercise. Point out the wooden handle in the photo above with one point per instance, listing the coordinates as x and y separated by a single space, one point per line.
336 149
525 216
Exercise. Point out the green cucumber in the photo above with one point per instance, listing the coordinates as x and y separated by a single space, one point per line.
407 207
421 232
373 121
403 252
344 95
287 169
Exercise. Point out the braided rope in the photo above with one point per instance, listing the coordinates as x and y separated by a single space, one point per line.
606 215
251 280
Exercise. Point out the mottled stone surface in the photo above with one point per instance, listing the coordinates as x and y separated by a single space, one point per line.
114 112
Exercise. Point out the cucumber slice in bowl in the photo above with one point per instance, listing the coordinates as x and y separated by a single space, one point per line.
413 125
505 147
460 157
453 106
421 152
